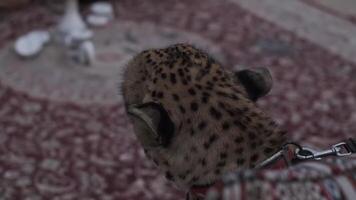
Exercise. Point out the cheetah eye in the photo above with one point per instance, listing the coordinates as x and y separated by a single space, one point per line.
257 82
156 120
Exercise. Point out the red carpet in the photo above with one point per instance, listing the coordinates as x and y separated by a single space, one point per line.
78 144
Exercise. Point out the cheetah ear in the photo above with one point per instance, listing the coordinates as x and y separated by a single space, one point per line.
152 124
257 82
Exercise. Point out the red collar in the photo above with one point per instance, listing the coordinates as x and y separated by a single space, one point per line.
202 190
280 163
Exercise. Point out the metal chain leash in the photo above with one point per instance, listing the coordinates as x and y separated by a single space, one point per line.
345 148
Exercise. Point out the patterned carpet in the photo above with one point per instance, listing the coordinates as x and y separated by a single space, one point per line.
346 10
63 131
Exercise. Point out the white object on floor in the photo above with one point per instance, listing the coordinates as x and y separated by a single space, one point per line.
102 9
101 14
71 21
88 50
74 34
84 53
44 36
32 43
76 37
97 20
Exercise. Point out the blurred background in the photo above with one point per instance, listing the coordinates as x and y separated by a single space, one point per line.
63 130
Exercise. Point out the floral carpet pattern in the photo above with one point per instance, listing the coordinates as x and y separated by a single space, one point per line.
64 135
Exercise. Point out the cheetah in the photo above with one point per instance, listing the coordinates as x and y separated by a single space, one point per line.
195 119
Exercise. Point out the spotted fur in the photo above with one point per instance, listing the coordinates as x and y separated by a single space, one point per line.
204 118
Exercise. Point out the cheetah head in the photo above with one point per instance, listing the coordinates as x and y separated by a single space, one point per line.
195 119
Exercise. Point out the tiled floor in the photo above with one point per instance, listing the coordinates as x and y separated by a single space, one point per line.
63 131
